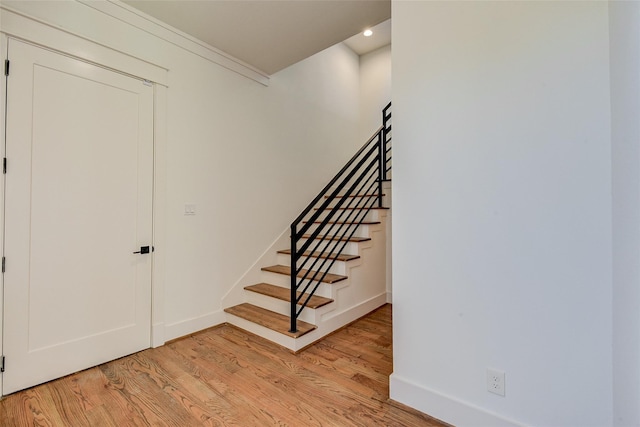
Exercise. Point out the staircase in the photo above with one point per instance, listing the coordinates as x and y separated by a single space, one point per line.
331 267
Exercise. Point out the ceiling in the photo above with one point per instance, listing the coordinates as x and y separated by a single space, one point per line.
381 37
270 35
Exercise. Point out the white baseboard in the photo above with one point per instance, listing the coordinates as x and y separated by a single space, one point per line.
442 407
195 324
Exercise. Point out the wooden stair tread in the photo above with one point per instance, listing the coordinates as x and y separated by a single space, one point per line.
269 319
318 254
341 239
286 270
355 208
346 223
284 294
356 195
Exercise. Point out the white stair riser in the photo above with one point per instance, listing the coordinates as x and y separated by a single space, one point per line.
324 289
261 331
357 203
338 267
350 248
308 315
372 215
341 230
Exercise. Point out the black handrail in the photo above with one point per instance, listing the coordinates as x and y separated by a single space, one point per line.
336 213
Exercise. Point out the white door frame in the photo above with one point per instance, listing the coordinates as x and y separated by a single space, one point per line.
3 96
38 33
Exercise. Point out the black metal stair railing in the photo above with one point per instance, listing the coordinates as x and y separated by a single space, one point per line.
322 231
386 135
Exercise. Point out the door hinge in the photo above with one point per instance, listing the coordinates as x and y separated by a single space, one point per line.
3 263
2 364
4 165
6 67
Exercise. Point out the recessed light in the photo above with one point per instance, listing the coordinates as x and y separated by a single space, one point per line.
367 33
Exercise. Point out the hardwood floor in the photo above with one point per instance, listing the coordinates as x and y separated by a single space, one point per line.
227 377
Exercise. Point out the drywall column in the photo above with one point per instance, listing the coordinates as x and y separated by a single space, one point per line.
624 20
375 94
502 211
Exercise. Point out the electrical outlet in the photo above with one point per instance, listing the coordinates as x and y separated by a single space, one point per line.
189 209
495 381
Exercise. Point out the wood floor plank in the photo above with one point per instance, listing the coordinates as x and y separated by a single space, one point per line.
70 410
223 402
153 374
31 409
301 367
228 377
227 400
333 386
270 386
136 408
101 416
330 400
102 399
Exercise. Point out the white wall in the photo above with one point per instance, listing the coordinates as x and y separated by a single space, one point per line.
250 158
375 89
502 211
624 20
234 148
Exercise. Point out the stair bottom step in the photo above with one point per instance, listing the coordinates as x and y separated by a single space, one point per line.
269 319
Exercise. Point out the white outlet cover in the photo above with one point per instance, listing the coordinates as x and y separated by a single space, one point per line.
495 381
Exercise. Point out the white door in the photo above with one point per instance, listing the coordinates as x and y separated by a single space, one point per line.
78 203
